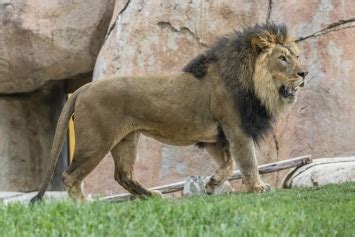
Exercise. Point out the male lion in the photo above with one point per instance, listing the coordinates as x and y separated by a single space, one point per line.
224 100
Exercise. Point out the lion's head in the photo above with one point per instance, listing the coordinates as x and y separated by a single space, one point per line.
278 72
260 67
262 60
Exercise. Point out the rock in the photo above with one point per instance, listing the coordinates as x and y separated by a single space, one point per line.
42 41
322 172
164 35
49 40
317 15
196 185
27 124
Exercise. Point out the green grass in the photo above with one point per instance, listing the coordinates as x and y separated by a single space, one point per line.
321 211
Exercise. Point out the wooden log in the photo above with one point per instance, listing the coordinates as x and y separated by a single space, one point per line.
263 169
277 166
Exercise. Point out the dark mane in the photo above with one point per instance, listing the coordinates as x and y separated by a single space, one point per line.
235 56
199 65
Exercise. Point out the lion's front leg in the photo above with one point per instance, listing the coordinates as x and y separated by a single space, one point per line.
243 151
226 166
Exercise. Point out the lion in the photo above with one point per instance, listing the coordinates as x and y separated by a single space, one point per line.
225 100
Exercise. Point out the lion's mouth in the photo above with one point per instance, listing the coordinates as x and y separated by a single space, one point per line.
288 92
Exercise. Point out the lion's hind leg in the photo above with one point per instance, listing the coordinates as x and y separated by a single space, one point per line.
124 156
226 166
83 163
89 151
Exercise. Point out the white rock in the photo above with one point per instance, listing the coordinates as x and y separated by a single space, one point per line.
322 172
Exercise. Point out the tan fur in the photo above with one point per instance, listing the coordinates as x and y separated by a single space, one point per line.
177 109
264 80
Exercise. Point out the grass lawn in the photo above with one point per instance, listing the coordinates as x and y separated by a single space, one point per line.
321 211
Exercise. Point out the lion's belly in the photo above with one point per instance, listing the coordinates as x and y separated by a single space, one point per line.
184 136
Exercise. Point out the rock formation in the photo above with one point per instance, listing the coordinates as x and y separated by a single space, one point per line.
41 41
322 172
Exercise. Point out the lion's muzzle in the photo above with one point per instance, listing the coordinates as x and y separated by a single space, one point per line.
287 92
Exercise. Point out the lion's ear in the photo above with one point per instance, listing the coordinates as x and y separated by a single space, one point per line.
261 43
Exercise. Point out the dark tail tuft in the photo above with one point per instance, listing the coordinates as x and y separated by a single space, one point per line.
36 199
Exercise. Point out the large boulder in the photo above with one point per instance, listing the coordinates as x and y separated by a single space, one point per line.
162 36
322 172
27 125
42 42
49 40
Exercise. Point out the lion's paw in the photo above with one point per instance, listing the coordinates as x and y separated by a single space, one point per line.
156 193
149 194
261 188
212 185
265 188
76 193
209 189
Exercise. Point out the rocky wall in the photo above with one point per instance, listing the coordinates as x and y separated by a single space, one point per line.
27 124
49 40
41 42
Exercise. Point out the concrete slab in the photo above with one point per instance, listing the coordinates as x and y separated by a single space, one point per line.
7 195
16 197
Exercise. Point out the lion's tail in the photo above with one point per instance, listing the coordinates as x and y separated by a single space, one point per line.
58 141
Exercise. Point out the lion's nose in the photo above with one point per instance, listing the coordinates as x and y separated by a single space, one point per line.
302 74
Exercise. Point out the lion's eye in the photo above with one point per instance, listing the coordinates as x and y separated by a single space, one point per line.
283 58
